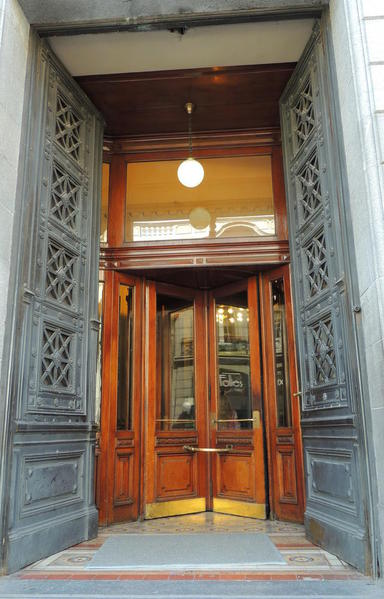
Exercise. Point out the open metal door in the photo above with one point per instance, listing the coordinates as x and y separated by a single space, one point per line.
333 441
51 447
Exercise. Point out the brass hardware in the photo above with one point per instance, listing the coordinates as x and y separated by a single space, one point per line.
189 107
175 420
225 449
218 420
256 418
162 509
239 508
297 394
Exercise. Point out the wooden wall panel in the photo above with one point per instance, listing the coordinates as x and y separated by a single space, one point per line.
176 475
124 491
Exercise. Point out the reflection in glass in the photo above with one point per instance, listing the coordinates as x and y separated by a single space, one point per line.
104 203
175 363
283 393
125 358
236 196
233 362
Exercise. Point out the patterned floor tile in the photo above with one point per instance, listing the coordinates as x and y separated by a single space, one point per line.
302 557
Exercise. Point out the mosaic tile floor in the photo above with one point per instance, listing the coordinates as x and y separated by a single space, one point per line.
304 561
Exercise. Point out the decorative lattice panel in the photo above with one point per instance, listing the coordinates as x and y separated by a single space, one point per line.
316 264
68 128
309 185
56 358
304 115
60 274
323 355
65 197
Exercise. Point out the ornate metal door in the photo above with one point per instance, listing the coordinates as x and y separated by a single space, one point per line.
51 503
332 439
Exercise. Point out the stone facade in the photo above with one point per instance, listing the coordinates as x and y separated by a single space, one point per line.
358 39
14 35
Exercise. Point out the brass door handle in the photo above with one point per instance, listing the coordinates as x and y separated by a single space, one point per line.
256 419
297 394
225 449
220 420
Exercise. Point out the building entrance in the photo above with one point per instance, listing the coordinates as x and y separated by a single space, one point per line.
211 409
51 417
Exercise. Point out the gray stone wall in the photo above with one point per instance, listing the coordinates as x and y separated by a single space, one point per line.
14 32
358 38
14 36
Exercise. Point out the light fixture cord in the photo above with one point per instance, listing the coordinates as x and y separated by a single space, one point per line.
190 134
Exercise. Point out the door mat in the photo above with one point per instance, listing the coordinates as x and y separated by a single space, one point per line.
199 551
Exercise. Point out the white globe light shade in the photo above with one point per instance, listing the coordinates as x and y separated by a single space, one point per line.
190 173
199 218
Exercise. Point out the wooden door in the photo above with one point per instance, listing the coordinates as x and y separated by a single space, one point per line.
282 398
236 418
175 477
119 462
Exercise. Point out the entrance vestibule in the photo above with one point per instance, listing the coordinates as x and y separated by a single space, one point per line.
204 415
199 374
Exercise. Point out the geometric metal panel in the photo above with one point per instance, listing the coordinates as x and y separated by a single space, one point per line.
324 358
309 187
65 197
68 126
304 120
317 266
60 277
51 486
57 358
333 453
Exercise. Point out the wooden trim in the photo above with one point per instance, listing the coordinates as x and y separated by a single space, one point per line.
209 253
116 207
291 510
119 254
176 143
279 200
113 441
103 462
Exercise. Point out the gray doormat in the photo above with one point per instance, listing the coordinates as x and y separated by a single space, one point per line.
200 551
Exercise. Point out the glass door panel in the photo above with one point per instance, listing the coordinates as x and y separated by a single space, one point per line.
175 363
125 357
176 477
284 435
280 347
236 421
233 362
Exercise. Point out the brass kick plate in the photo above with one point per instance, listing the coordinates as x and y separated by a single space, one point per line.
256 419
239 508
162 509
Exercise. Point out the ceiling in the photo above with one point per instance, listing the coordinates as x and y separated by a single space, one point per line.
140 81
226 98
210 46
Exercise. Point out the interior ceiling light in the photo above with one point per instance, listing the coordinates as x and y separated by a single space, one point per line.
190 172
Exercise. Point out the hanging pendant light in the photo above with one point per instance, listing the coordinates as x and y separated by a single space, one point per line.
190 172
